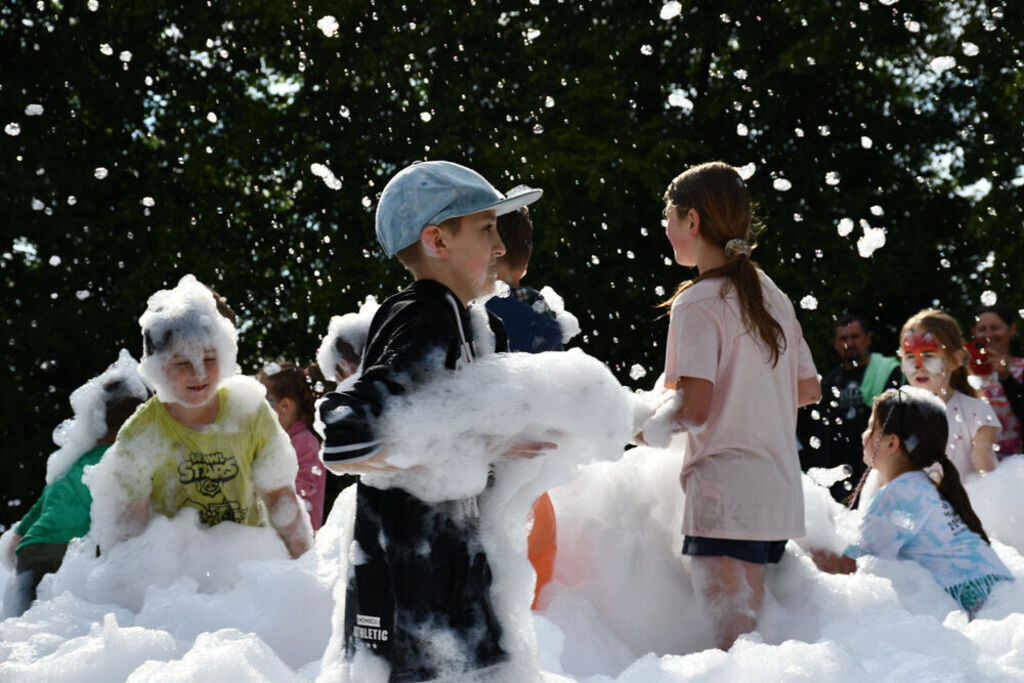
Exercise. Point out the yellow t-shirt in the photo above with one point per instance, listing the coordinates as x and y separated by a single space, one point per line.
219 471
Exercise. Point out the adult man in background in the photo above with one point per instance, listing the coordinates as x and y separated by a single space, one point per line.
847 393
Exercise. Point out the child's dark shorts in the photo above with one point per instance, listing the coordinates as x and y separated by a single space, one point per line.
756 552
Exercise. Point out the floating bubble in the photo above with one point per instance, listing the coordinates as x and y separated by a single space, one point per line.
989 298
93 5
942 64
646 50
532 34
740 74
344 111
37 205
660 291
782 185
888 3
832 178
538 129
677 99
970 49
742 130
366 202
637 371
670 10
425 116
876 210
83 294
872 240
549 101
12 129
211 117
125 56
34 110
148 202
747 170
809 303
54 260
815 442
100 173
106 49
913 26
328 25
866 142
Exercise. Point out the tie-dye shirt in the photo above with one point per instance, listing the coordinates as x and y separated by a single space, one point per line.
910 520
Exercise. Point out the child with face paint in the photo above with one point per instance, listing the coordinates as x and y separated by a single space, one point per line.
934 358
911 518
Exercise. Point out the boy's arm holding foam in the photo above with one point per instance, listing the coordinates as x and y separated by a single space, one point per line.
346 420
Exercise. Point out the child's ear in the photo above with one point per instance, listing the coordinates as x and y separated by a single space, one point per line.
695 220
432 239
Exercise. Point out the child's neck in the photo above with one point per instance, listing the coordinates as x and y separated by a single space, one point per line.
889 470
710 257
195 417
945 393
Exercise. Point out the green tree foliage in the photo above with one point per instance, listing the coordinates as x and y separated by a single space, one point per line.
247 143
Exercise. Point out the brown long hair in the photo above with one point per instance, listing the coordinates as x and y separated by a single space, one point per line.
720 197
946 331
918 419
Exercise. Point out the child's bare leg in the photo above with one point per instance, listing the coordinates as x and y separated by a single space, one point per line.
731 591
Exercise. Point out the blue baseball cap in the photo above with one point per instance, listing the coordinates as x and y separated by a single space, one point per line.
430 192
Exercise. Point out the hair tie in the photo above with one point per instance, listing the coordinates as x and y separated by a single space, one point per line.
737 246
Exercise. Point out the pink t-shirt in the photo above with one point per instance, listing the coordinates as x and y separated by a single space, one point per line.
741 473
310 481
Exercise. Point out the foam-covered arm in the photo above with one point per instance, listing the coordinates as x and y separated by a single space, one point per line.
284 510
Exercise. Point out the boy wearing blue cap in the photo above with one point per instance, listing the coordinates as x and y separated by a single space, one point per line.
421 566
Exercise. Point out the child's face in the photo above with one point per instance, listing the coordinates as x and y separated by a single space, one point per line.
678 229
472 254
192 387
925 363
867 441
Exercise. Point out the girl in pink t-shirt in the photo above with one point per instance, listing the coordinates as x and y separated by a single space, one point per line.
737 356
290 397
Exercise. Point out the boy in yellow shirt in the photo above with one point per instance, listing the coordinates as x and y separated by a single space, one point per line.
208 440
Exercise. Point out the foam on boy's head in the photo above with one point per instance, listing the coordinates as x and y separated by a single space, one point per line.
184 321
100 407
431 192
345 340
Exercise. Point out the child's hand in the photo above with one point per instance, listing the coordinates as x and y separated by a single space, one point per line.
529 449
833 563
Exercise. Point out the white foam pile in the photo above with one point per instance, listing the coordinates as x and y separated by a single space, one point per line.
183 603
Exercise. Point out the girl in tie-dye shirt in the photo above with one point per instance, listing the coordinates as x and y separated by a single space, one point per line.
910 517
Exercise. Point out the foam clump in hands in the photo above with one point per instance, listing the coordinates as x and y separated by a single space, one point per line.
185 322
567 399
79 433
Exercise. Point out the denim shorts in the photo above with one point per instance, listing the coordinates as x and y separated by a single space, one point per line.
757 552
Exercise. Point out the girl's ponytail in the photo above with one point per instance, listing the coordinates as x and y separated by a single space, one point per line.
718 194
918 418
952 489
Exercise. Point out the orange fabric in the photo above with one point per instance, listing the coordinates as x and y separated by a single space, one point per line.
542 543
